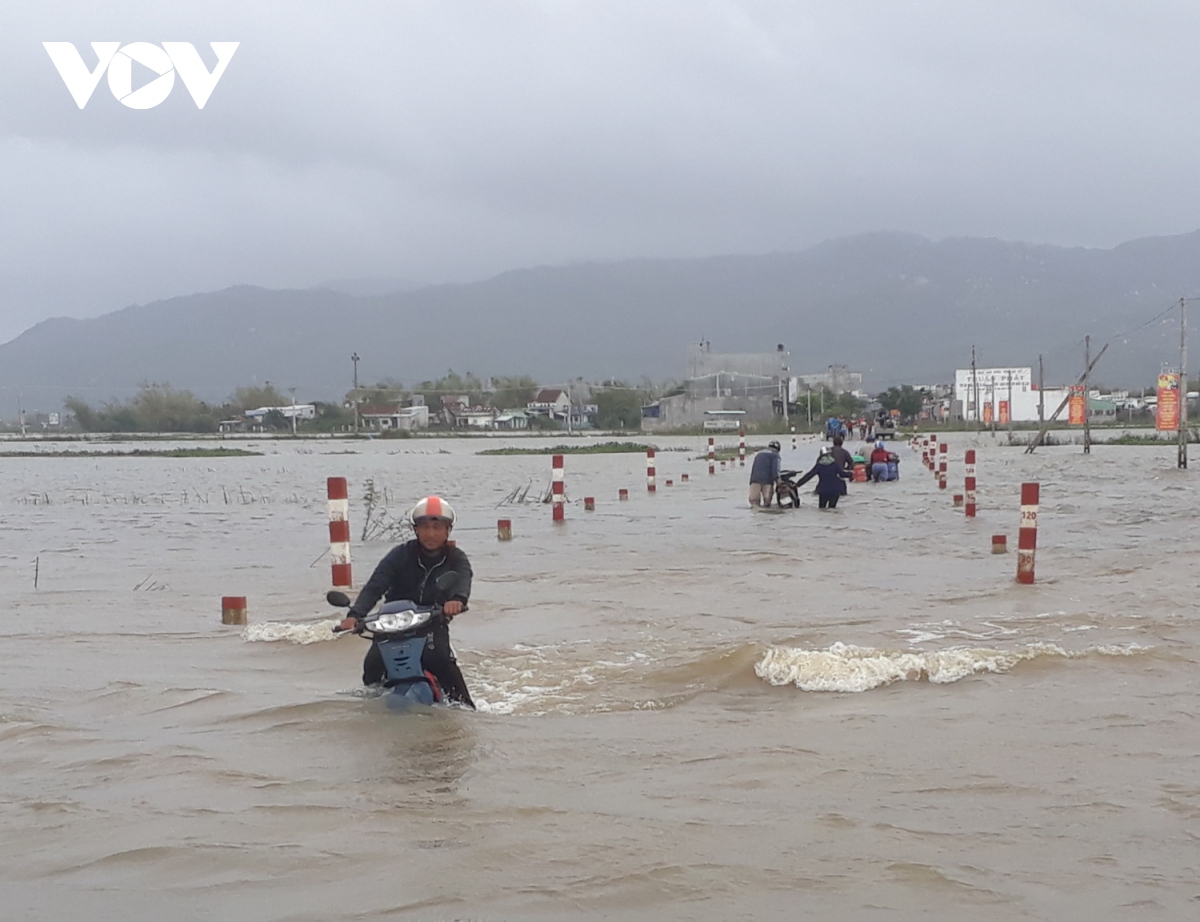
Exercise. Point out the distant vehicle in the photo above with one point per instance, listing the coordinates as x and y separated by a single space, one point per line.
834 426
885 427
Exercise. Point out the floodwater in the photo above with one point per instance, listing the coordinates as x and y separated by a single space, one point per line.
688 710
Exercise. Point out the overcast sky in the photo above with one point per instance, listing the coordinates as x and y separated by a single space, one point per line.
439 141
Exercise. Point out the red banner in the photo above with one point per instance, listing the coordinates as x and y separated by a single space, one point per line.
1168 403
1077 407
1005 416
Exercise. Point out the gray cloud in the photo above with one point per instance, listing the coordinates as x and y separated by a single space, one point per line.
434 141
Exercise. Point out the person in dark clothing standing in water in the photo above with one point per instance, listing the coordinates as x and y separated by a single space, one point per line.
764 474
830 487
410 571
842 455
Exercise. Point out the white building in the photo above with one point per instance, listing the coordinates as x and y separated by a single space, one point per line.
1012 387
298 410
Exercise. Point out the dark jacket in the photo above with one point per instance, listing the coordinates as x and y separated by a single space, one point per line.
407 572
829 475
766 467
843 457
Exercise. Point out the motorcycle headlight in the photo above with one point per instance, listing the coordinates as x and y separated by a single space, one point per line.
394 621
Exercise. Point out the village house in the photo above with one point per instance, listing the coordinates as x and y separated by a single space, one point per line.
552 402
512 419
458 414
394 415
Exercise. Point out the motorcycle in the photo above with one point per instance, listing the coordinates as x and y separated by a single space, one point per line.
787 495
400 630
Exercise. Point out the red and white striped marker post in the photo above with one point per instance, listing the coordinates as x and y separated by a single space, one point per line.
793 438
233 609
339 531
558 485
942 465
683 478
650 486
504 529
589 504
742 448
1027 536
969 486
712 456
622 493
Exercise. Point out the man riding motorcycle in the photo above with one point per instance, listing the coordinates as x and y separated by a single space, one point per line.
410 571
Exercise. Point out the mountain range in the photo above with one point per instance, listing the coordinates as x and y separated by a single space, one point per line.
900 308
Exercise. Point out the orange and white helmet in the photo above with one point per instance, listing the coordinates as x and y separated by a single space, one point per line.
431 507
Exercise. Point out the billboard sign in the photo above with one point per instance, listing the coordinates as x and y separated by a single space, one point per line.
1168 404
1077 406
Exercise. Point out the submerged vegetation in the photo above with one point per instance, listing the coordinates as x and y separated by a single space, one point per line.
597 448
139 453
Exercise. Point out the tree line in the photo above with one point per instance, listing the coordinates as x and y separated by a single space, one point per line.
161 408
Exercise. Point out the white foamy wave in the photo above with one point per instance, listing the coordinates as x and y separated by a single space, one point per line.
272 631
848 668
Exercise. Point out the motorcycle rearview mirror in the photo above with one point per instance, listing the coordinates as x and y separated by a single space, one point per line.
337 598
447 585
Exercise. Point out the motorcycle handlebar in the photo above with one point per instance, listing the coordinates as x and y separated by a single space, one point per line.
360 621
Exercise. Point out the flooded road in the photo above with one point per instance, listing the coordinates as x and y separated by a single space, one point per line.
688 710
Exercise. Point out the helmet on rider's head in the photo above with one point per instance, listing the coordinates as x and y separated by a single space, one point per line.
773 445
431 507
879 444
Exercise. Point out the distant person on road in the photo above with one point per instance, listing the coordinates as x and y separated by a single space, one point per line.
764 474
831 483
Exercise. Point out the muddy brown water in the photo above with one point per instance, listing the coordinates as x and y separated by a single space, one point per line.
688 710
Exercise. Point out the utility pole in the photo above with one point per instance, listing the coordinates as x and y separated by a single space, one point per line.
783 383
354 398
1037 439
1183 384
1010 406
1041 392
975 388
1087 397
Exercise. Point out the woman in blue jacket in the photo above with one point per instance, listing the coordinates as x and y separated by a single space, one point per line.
831 479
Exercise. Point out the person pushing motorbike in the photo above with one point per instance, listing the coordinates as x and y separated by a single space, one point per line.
410 571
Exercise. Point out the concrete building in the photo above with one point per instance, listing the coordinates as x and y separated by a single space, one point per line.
1012 387
394 416
839 379
552 402
702 362
726 389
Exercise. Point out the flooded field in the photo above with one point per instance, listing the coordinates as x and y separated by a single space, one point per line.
688 710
